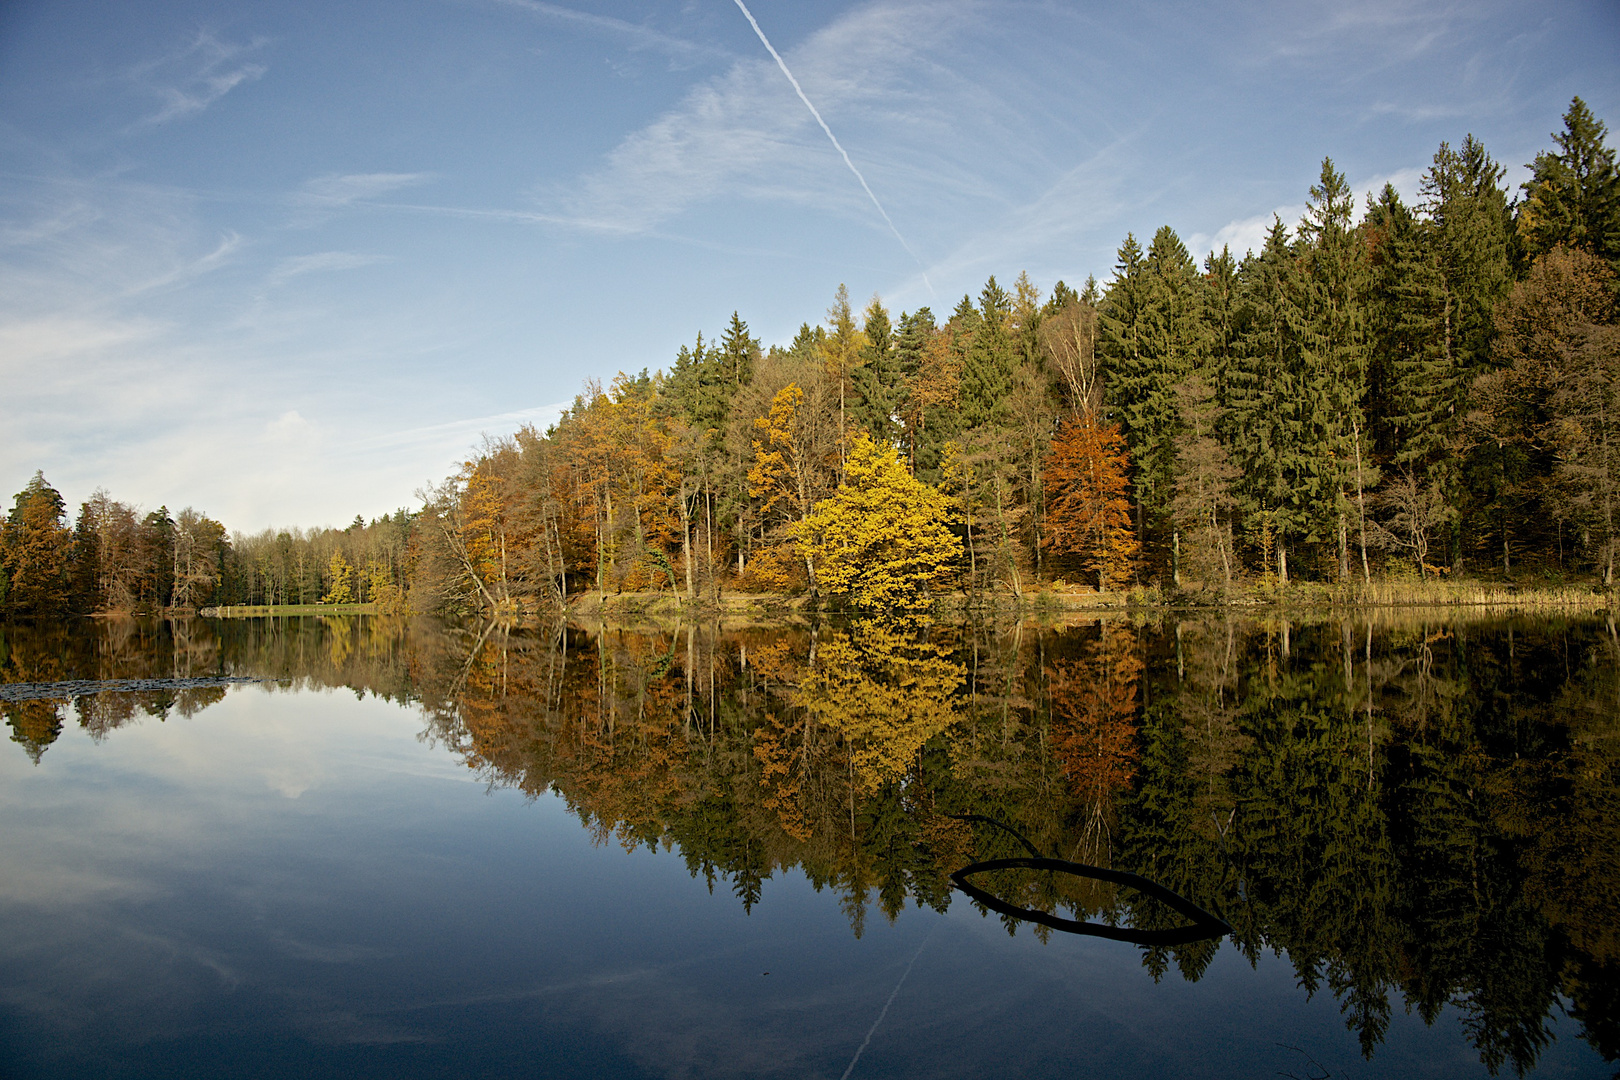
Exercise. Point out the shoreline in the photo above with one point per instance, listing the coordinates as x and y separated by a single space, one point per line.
1045 603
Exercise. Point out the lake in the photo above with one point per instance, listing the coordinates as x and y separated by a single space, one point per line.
406 848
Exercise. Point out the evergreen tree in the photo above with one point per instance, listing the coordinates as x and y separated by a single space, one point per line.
879 386
1121 314
1168 339
987 357
931 384
1263 394
35 548
739 353
1333 360
1218 296
1573 196
1411 316
1025 321
1472 227
700 385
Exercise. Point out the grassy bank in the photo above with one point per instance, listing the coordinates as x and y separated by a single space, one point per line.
254 611
1054 600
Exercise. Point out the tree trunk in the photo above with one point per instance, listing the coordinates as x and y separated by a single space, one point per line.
1361 506
686 540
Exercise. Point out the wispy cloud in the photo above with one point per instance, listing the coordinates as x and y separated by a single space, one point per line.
797 89
320 262
1246 234
190 79
334 192
639 35
747 134
461 434
28 344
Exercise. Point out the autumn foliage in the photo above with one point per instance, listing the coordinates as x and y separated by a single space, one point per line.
881 540
1088 513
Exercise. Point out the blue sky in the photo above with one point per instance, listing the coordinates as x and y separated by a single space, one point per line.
288 262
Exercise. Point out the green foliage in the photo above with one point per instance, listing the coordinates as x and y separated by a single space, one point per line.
1573 196
987 355
35 550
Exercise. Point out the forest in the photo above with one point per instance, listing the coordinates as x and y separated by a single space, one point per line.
1382 391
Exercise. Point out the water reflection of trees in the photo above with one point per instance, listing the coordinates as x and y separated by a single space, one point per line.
1421 814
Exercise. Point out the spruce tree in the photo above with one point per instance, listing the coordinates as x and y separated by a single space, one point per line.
1473 225
1161 298
1411 320
987 357
1333 359
1263 395
1121 310
1573 196
739 353
928 400
879 386
700 385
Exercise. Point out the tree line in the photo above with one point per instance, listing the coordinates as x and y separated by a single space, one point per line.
1423 390
114 559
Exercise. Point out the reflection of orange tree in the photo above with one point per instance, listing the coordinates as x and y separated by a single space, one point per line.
1094 722
885 692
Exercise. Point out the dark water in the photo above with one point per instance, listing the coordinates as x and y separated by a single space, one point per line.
421 850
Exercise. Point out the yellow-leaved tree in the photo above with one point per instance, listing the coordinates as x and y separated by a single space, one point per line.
880 542
338 572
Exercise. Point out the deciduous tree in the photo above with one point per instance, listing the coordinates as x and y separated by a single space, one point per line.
880 541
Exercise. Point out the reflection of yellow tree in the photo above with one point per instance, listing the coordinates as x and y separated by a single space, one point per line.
885 693
782 749
341 643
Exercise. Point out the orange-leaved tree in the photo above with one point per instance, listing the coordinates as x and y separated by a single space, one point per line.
1087 511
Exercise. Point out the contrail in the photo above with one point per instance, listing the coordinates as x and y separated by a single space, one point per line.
892 994
749 15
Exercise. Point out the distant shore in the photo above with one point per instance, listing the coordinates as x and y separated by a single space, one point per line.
1051 599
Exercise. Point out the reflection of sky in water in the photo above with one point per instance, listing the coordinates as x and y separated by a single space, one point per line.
294 884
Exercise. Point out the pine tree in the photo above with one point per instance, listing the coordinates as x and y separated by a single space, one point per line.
35 549
1264 398
1169 336
1333 358
879 386
987 357
1573 196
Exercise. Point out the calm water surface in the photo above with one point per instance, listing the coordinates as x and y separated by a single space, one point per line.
428 850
